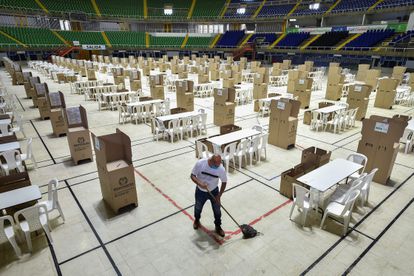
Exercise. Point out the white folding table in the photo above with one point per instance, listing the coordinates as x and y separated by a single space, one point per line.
170 117
9 146
130 106
330 109
410 125
19 196
233 137
5 122
328 175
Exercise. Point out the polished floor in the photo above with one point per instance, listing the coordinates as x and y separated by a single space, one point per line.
157 237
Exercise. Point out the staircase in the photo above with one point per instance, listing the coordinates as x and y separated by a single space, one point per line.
309 41
332 7
277 41
349 39
385 43
294 8
237 54
373 6
62 51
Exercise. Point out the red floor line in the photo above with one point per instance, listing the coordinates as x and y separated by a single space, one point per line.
238 231
204 229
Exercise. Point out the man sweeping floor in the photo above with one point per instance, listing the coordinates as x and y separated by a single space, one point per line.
206 175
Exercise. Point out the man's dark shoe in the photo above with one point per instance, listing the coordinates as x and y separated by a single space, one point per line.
196 224
220 231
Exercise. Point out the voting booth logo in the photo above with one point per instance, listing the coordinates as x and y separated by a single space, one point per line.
123 181
81 140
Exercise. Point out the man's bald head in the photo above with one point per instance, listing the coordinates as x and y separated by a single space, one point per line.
215 160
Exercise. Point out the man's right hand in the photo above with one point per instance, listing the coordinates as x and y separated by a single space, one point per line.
202 185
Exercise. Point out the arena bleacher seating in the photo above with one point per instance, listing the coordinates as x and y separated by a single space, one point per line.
198 41
353 6
263 38
275 10
230 39
293 39
369 39
208 9
329 39
121 8
126 39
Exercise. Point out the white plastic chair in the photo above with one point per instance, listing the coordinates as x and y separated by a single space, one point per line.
253 149
13 161
185 125
202 150
264 108
359 159
52 203
124 115
342 191
29 154
203 123
174 129
229 154
7 233
366 185
302 200
334 123
241 151
19 125
407 140
4 130
262 146
317 121
344 211
137 113
159 128
35 218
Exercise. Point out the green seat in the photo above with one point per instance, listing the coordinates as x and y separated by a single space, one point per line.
198 42
132 39
88 38
20 4
121 8
208 9
166 42
33 36
83 6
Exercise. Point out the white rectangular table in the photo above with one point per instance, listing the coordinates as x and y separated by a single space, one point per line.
233 137
271 98
177 116
410 125
5 122
130 106
9 146
19 196
330 109
329 174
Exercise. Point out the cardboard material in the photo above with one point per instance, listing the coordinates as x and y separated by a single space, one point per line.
32 94
115 170
57 104
380 143
315 156
303 90
398 73
362 72
42 90
78 134
228 129
386 93
224 113
371 78
260 91
283 122
185 95
358 97
224 95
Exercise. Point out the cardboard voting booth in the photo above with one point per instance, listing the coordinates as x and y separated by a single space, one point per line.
115 169
386 93
358 97
57 104
380 143
224 107
335 84
41 90
157 87
283 122
78 134
303 90
30 92
185 95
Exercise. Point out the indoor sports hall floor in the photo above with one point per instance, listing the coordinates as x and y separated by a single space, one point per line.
157 237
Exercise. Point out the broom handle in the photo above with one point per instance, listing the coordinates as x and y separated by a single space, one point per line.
223 208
